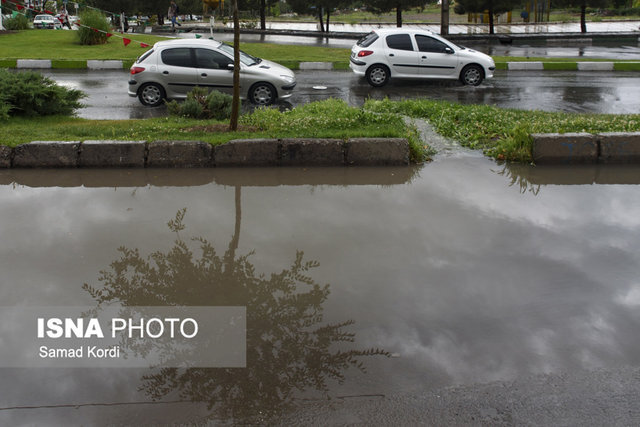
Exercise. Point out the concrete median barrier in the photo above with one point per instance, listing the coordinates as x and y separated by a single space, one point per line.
5 156
619 147
179 154
312 152
248 152
123 154
565 148
46 154
377 151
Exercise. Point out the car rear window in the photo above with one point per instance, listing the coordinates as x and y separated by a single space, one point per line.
144 56
179 57
367 40
399 41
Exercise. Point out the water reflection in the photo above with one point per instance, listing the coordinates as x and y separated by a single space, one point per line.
290 349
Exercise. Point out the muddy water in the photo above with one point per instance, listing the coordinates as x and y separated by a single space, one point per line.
459 272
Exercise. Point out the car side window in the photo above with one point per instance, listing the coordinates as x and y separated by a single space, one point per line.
399 41
429 44
179 57
207 58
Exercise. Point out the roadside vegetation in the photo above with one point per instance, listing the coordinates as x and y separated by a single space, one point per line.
502 133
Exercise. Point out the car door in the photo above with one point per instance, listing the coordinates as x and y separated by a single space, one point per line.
401 56
213 70
176 71
437 60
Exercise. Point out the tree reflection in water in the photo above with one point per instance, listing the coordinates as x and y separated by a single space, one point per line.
289 348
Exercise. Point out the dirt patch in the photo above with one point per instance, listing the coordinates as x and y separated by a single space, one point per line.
220 127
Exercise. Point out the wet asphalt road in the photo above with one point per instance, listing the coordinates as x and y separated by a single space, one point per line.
585 92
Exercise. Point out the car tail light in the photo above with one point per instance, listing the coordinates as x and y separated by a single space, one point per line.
136 70
364 53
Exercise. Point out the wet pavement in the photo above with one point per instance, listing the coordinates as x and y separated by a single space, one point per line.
497 293
591 92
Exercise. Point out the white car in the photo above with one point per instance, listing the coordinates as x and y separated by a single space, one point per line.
46 21
172 68
416 54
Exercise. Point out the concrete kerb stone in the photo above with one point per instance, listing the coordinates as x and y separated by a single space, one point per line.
5 156
619 147
248 152
595 66
312 152
93 64
377 151
565 148
316 66
46 154
33 63
524 66
113 154
180 154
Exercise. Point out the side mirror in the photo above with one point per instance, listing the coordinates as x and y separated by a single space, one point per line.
448 50
230 66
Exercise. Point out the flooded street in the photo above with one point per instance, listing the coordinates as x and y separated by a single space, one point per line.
460 273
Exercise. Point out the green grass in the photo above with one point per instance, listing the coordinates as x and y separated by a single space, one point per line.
502 133
324 119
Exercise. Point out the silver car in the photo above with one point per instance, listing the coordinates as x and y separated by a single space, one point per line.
172 68
404 53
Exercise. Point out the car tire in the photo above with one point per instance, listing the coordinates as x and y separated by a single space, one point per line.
262 94
378 75
472 75
151 94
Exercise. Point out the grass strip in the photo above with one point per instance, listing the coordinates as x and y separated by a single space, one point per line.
323 119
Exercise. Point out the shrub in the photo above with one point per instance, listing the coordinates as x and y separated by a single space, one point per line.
200 104
19 22
30 94
92 19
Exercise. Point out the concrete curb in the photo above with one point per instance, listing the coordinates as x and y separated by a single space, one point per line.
585 148
198 154
328 66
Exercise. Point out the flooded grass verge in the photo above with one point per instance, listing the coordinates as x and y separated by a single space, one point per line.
504 134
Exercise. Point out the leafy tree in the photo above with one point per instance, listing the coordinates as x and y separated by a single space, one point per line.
289 347
383 6
582 4
479 6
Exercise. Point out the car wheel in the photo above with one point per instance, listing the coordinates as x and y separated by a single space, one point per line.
472 75
378 75
262 94
151 94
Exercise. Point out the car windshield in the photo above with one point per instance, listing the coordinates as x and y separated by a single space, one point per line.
245 58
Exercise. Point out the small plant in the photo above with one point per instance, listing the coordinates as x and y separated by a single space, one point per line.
200 104
30 94
19 22
94 28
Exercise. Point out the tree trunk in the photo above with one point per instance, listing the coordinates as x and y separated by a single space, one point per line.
263 18
444 17
328 14
491 29
583 18
320 18
235 104
398 15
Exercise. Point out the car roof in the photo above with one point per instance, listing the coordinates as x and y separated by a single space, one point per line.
187 43
403 30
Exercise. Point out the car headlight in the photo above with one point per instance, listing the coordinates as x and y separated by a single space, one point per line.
288 79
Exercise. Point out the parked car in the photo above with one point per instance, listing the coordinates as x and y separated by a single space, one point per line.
402 53
171 68
46 21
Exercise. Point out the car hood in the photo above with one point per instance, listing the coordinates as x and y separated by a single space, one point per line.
270 67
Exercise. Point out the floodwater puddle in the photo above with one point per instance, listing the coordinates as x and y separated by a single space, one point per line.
358 283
